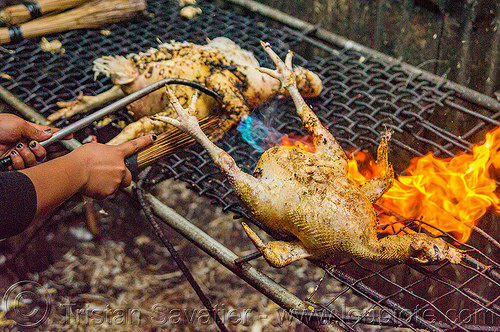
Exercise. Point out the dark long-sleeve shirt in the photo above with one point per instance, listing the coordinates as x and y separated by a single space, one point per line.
17 203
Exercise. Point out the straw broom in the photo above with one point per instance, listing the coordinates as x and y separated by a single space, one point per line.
168 143
20 13
91 15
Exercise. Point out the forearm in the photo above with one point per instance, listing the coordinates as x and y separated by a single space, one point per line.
95 170
55 181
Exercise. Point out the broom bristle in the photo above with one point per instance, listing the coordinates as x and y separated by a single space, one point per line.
93 14
109 11
19 13
172 141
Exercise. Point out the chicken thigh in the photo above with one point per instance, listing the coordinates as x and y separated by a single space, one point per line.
310 196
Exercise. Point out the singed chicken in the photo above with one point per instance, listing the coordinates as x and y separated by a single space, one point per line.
221 65
310 196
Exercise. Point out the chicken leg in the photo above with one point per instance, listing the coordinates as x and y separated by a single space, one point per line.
84 104
323 140
143 126
375 188
278 253
243 184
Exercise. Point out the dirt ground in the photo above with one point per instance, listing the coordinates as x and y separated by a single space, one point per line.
126 280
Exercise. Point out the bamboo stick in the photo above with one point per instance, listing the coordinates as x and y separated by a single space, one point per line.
172 141
93 14
20 13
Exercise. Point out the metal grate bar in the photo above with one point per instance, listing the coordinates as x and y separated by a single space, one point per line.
364 93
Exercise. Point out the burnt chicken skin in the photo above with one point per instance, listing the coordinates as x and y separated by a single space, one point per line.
221 65
310 196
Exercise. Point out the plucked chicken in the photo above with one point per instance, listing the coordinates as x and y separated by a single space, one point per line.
221 65
310 196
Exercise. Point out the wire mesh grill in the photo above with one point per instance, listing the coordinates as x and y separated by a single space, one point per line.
362 98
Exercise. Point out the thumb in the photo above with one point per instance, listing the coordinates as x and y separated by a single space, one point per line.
32 133
135 145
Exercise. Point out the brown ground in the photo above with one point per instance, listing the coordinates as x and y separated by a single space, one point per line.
127 280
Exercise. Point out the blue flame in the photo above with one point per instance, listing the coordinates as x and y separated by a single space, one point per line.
257 134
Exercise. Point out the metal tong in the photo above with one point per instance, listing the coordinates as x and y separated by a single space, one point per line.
80 124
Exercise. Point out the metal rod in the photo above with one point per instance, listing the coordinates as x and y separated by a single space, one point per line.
477 265
320 33
177 258
122 103
27 112
59 135
401 312
226 257
248 258
371 320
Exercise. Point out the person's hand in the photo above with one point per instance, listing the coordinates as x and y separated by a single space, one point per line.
103 166
19 139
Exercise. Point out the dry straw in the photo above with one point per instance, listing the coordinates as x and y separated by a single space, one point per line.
173 140
91 15
21 13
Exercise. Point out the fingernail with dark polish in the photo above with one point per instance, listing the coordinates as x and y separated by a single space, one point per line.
154 137
47 130
20 146
13 152
33 144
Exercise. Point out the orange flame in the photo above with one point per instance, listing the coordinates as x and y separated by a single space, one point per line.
301 142
451 194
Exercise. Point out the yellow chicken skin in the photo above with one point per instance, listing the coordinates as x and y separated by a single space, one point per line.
310 196
221 65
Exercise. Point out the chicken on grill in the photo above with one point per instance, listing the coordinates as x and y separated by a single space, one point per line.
221 65
310 196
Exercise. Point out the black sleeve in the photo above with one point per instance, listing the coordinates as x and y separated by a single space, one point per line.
17 203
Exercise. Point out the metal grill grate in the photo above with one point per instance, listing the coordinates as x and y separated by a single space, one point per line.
363 97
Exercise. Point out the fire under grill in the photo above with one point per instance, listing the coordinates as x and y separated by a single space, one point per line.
363 96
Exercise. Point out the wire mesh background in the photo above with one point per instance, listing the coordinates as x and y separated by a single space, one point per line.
362 98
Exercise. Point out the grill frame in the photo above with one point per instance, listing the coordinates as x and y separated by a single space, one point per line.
359 69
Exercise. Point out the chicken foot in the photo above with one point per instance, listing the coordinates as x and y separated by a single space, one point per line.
323 140
277 253
143 126
375 188
186 121
84 104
